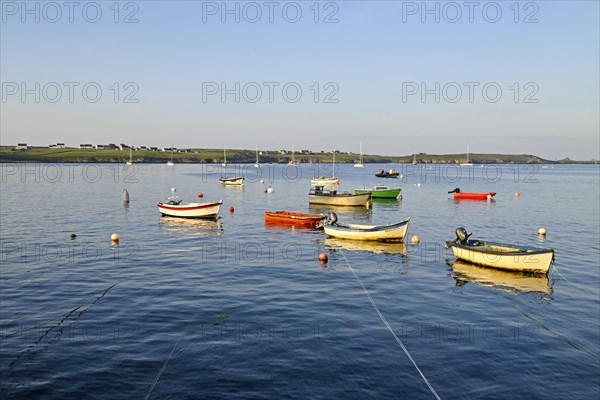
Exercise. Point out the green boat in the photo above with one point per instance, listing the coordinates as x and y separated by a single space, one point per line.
381 192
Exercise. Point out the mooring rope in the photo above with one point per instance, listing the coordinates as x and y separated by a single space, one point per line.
162 369
366 291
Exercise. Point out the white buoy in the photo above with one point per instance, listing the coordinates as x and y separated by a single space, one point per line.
173 190
270 190
415 239
125 196
115 238
262 181
542 231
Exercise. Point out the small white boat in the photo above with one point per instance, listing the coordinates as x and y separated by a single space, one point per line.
323 181
170 163
257 164
501 255
384 233
224 164
130 162
238 181
174 207
293 160
360 164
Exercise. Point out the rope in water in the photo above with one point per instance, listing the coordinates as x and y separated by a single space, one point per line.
389 327
162 369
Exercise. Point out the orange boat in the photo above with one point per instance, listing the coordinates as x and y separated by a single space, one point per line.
458 195
295 219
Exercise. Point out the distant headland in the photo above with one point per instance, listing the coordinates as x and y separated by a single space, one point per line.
121 154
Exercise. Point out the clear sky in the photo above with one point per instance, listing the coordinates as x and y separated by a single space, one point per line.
400 77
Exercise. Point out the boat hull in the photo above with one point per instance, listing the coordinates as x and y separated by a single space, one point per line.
232 181
190 210
340 199
504 256
473 196
380 193
383 233
298 220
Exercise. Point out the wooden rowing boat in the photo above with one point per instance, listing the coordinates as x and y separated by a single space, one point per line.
387 174
501 255
384 233
175 208
458 195
318 195
296 219
381 192
238 181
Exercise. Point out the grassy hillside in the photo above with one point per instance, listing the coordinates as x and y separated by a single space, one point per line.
45 154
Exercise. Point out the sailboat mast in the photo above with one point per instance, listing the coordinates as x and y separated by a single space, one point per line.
333 164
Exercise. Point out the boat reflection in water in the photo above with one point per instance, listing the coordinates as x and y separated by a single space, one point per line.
361 245
195 227
346 214
506 281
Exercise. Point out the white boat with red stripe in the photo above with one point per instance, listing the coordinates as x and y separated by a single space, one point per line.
174 207
190 210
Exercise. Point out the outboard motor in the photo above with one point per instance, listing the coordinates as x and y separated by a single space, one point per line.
461 235
332 218
457 190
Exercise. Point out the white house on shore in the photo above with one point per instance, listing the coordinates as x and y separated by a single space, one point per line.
21 146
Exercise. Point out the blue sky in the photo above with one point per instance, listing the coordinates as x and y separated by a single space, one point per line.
375 61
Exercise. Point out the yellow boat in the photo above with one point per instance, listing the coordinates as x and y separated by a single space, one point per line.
500 255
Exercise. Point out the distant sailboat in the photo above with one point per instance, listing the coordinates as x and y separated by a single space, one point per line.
468 163
224 158
414 161
170 163
360 163
323 181
130 162
257 165
293 161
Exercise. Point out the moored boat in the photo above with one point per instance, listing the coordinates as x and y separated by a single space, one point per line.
387 174
501 255
296 219
323 181
458 195
381 192
384 233
174 207
318 195
238 181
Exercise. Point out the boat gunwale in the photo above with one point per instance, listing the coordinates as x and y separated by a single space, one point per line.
484 248
374 228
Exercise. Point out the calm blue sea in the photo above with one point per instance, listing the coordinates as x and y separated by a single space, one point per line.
237 310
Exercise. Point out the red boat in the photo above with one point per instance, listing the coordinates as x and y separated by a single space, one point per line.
295 219
458 195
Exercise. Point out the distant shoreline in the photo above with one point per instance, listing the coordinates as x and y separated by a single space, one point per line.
215 156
